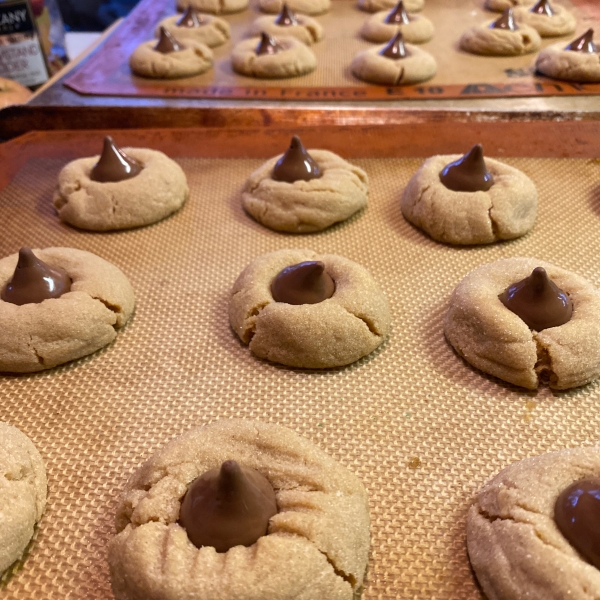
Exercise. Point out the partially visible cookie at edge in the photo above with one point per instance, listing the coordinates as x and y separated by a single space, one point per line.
315 546
515 545
23 491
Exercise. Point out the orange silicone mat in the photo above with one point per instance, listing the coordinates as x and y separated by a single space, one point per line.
421 428
460 75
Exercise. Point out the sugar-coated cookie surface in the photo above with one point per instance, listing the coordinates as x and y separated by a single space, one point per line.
370 66
195 59
506 211
500 5
23 490
213 32
157 191
294 60
379 5
39 336
316 547
216 7
515 546
306 7
306 206
334 332
494 339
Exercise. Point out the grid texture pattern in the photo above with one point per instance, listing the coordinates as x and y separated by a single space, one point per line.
421 428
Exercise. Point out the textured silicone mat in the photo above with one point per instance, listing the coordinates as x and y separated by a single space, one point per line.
421 428
460 75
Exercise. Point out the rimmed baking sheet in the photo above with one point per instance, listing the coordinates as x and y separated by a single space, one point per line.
420 427
460 75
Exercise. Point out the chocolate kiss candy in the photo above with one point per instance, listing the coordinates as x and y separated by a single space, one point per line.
296 164
395 48
543 8
398 15
585 43
167 43
577 515
286 17
114 164
304 283
191 18
505 21
267 45
538 301
468 174
227 507
34 281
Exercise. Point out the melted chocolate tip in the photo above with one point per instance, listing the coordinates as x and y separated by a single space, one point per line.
543 8
268 45
469 173
286 17
584 44
398 15
505 21
538 301
167 43
395 48
191 18
114 165
304 283
296 164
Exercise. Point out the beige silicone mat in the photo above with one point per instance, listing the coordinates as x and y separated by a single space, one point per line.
460 74
421 428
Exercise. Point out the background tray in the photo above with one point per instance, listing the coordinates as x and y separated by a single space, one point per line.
460 75
421 428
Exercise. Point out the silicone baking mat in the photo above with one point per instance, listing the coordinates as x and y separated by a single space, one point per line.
421 428
460 75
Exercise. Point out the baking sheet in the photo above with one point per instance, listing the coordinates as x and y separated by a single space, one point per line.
420 427
460 75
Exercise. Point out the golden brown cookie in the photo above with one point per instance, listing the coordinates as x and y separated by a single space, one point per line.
308 30
215 7
293 60
157 191
306 206
305 7
194 59
374 6
335 332
506 211
370 65
212 32
23 490
501 5
515 546
418 31
494 339
39 336
491 41
561 22
316 547
561 62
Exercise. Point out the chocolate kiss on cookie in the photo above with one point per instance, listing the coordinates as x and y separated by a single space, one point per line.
505 21
286 17
227 507
577 515
305 283
296 164
395 48
167 43
114 164
34 281
538 301
191 18
398 15
268 45
468 174
584 44
543 8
